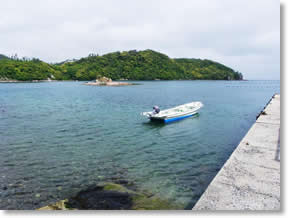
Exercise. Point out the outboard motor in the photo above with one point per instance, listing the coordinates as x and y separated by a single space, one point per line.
156 109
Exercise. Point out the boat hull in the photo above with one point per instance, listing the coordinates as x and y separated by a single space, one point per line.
173 119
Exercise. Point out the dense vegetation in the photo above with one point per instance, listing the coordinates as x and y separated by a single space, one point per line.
3 57
131 65
25 70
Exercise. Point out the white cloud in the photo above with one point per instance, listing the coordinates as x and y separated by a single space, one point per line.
243 34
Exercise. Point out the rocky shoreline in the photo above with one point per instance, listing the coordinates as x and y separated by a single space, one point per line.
105 81
18 81
31 81
108 84
87 83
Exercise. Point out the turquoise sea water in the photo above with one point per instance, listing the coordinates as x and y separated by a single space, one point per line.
58 138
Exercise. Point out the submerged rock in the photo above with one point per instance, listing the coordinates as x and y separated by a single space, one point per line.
60 205
112 196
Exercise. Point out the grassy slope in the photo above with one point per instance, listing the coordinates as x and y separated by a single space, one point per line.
133 65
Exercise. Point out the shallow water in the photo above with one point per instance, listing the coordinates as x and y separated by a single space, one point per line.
58 138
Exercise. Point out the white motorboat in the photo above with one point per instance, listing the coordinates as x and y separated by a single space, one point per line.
175 113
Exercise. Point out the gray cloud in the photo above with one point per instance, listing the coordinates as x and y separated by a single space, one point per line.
242 34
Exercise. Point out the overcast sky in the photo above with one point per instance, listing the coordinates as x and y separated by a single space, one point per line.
242 34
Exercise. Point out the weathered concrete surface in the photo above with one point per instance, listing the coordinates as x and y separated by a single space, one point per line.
250 179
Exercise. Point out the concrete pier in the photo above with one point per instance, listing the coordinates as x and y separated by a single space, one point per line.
250 179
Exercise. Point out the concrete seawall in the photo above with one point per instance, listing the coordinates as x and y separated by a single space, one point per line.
250 179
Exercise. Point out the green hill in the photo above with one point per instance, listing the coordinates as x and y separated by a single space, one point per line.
25 70
3 56
207 69
131 65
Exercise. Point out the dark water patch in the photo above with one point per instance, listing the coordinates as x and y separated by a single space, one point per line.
113 196
95 198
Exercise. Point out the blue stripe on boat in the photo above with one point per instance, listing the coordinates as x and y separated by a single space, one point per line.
178 118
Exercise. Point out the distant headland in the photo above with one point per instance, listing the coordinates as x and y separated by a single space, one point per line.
126 65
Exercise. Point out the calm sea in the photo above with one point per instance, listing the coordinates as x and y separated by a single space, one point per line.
58 138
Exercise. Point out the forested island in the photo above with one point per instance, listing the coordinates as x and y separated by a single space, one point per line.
126 65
